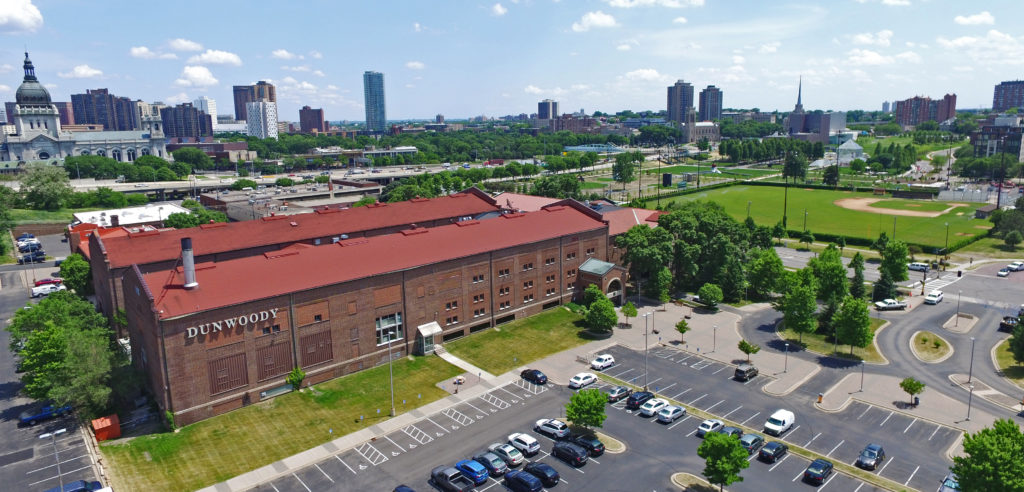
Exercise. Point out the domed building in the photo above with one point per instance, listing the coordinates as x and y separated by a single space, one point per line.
38 136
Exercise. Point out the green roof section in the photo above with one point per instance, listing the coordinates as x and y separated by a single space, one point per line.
597 267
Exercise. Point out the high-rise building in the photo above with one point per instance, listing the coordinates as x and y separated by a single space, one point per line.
680 97
917 110
67 113
547 109
186 120
373 97
1009 94
439 118
100 107
886 106
710 104
311 120
244 94
208 106
261 119
9 109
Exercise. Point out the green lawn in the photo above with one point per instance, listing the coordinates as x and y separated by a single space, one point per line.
924 346
823 344
991 247
521 342
823 216
222 447
1011 370
590 185
918 205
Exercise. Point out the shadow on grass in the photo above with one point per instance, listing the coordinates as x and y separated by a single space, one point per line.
1013 372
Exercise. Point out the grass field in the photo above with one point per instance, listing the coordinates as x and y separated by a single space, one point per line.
590 185
1010 369
521 342
924 346
823 344
60 216
917 205
991 247
823 216
222 447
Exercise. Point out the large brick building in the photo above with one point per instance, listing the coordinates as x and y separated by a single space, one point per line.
225 332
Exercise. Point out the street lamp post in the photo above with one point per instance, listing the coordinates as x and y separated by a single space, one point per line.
391 375
970 398
970 370
714 339
805 220
52 436
785 196
957 323
945 250
785 367
862 376
645 350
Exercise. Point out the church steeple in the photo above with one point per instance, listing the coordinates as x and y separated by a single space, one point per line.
30 71
799 95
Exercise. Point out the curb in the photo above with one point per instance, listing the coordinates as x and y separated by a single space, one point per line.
995 364
936 361
986 398
841 407
971 320
955 445
681 485
793 387
874 342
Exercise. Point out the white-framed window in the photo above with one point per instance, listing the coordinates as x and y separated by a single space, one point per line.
389 326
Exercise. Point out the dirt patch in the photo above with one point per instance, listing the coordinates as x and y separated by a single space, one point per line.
864 205
963 234
913 205
983 227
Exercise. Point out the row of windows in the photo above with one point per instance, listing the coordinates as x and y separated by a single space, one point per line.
451 320
451 305
527 266
479 312
478 278
528 285
527 298
478 298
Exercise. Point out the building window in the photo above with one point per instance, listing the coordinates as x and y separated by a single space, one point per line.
528 285
478 278
527 298
478 298
479 312
317 318
570 256
503 272
389 327
549 261
590 251
271 329
527 267
570 287
570 273
549 292
549 279
503 291
451 305
451 321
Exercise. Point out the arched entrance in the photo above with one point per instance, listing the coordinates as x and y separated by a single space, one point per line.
614 291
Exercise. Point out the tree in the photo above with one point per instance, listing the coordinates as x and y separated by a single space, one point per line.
894 260
880 243
710 295
1016 342
1012 239
912 387
586 408
195 158
748 348
601 315
830 273
991 459
807 238
764 272
831 176
857 282
682 327
779 230
629 311
364 201
591 294
45 186
724 458
884 288
284 182
181 220
798 308
77 274
663 285
795 166
241 183
647 249
623 170
852 323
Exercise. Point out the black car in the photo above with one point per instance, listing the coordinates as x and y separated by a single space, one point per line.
872 456
403 488
590 443
639 398
534 376
547 475
520 481
772 452
818 471
1008 324
33 257
570 453
731 431
30 247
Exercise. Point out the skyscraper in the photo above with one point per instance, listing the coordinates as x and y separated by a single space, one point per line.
208 106
680 97
244 94
885 106
261 119
186 120
710 103
547 109
373 98
1009 94
100 107
917 110
311 119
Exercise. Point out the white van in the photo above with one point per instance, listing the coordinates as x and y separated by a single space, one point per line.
780 421
917 266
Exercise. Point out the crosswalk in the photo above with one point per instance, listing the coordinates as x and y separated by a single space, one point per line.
939 283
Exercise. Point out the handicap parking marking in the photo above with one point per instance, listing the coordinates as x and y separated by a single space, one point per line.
479 413
417 435
371 454
393 453
459 417
514 396
439 426
494 401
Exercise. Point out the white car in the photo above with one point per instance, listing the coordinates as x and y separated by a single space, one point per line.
933 297
603 361
1016 266
670 413
708 426
554 428
525 443
45 290
1003 272
652 407
506 452
582 379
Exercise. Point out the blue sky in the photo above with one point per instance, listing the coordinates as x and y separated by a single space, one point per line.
466 58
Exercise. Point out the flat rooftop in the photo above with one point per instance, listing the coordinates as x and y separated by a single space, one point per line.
150 212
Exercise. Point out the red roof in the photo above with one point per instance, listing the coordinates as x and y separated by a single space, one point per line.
151 247
622 220
523 203
276 273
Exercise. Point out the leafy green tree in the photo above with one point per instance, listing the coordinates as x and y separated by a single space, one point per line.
779 231
77 274
1016 342
798 308
991 459
764 272
857 282
647 249
166 174
195 158
912 387
894 260
364 201
830 273
591 294
831 176
623 170
884 288
284 182
662 285
1012 239
558 186
241 183
295 377
586 408
807 238
724 459
880 243
794 166
45 186
748 348
682 327
710 295
601 315
629 311
852 323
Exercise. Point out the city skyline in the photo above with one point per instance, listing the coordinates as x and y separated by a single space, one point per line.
465 60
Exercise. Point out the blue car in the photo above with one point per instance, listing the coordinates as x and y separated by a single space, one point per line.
38 414
78 486
472 470
521 481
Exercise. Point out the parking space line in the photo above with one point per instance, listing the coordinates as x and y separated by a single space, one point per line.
303 483
514 396
858 487
792 431
477 409
864 412
812 439
274 487
779 463
652 382
698 398
912 475
908 426
322 471
681 421
371 454
686 359
617 376
886 419
720 370
439 434
733 411
62 474
835 448
494 401
834 475
884 465
937 427
798 475
694 431
55 464
400 449
459 417
346 464
748 420
419 436
667 387
695 364
747 381
681 394
708 409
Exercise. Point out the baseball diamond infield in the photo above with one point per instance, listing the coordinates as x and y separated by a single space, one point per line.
864 205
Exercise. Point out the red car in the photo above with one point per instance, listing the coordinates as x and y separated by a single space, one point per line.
47 281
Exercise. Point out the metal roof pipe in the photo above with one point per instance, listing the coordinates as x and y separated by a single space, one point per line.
188 263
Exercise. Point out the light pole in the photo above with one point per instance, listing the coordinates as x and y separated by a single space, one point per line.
391 375
946 248
52 436
970 398
805 220
861 376
714 339
970 371
957 323
645 350
785 367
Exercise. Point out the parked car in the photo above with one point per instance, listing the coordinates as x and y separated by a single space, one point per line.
772 451
652 407
525 443
33 257
602 362
950 483
495 466
745 372
918 266
779 422
1016 266
547 475
449 479
520 481
1003 272
731 431
534 376
46 411
23 236
29 247
872 456
1008 323
933 297
670 413
473 471
569 453
554 428
47 281
818 471
890 305
751 442
638 398
78 486
617 393
592 444
709 425
506 452
582 379
45 290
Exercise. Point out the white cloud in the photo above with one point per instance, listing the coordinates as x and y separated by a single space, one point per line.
6 67
415 65
181 44
178 98
5 88
624 47
196 76
498 10
50 86
976 19
81 72
769 47
148 54
332 87
679 20
283 54
868 57
881 38
909 57
216 57
674 4
593 19
316 54
318 73
738 60
18 16
993 48
899 3
417 27
297 68
532 89
645 75
579 87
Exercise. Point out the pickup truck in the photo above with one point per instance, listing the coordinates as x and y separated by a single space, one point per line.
48 411
449 479
890 305
47 289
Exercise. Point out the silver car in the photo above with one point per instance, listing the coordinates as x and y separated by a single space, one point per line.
670 413
710 425
511 455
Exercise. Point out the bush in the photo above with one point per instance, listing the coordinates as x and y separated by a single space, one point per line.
710 294
295 377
